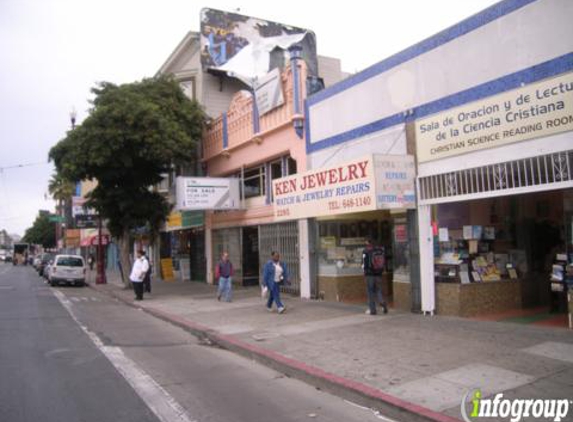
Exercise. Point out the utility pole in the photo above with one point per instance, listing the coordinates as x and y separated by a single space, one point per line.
100 277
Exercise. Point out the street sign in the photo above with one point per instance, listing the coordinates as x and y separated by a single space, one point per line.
86 221
53 218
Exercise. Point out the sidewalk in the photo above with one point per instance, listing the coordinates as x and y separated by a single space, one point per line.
410 367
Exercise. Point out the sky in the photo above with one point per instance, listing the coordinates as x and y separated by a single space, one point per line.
52 52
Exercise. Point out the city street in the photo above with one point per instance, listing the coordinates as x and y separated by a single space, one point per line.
74 354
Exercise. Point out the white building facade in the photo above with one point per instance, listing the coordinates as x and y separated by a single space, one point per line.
486 106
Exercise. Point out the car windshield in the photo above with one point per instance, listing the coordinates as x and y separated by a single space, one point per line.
70 261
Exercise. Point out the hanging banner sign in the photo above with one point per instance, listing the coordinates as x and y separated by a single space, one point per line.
207 193
395 175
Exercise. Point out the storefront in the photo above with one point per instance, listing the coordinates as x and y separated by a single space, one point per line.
364 198
497 254
496 201
250 247
182 246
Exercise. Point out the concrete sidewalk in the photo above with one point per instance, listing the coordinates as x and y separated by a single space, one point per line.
410 367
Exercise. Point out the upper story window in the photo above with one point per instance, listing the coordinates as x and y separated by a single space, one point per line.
254 178
254 182
188 88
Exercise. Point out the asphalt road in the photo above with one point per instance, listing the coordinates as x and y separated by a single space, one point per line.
74 354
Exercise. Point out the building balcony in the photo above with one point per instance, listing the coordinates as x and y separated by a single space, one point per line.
241 124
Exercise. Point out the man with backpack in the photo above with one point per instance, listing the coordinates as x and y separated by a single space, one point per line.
373 262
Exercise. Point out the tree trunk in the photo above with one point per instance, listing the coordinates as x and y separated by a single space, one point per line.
124 247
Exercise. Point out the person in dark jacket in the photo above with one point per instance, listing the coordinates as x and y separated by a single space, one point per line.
224 273
147 278
373 277
275 273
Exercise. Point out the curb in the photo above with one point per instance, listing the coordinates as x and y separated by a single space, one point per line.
354 391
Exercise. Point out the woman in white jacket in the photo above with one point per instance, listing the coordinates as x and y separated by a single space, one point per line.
138 271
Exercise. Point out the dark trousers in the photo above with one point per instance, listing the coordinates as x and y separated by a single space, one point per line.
147 283
374 292
138 289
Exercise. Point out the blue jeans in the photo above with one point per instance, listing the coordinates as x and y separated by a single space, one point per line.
274 295
225 288
374 292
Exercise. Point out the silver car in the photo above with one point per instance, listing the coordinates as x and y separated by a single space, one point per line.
67 269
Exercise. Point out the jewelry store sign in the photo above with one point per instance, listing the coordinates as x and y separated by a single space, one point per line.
354 186
540 109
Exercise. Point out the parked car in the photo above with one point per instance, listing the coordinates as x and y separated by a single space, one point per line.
68 269
45 261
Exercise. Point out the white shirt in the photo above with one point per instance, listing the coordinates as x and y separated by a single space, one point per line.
140 267
278 272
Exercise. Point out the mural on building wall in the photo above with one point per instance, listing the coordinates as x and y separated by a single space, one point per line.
247 47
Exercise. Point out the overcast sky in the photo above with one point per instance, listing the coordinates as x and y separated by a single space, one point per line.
53 51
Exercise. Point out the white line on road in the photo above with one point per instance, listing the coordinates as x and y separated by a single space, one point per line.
374 411
153 395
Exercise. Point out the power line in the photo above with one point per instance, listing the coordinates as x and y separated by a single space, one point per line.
23 165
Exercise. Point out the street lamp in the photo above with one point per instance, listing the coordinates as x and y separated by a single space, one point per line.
73 115
100 275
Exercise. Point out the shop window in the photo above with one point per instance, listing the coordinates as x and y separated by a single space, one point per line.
401 249
341 244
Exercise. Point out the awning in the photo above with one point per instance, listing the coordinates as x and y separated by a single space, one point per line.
94 241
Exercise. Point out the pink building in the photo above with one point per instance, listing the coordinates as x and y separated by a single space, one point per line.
255 141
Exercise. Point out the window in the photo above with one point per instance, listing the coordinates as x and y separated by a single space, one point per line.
276 170
254 182
70 262
291 166
188 88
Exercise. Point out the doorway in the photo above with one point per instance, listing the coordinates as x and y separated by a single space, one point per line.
250 256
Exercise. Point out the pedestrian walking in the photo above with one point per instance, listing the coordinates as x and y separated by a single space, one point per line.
224 274
373 262
147 277
275 273
91 261
140 267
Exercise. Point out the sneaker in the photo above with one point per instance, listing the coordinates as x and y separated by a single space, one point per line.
269 309
282 309
367 312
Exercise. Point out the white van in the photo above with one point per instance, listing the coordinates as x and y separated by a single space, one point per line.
69 269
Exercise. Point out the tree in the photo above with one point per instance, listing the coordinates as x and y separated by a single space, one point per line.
62 190
133 134
42 231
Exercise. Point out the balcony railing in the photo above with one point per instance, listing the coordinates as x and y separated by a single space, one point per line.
238 126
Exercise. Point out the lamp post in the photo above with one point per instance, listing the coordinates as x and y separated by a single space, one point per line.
100 275
73 115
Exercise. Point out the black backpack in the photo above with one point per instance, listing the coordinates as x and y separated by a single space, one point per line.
376 260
